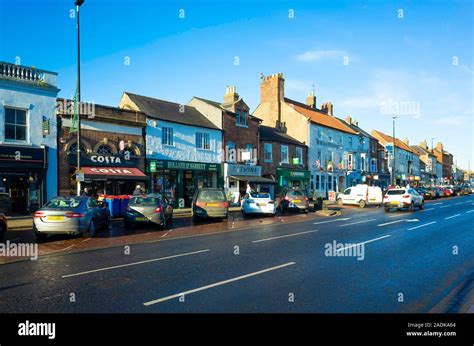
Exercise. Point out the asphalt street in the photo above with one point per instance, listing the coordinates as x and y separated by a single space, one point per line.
417 261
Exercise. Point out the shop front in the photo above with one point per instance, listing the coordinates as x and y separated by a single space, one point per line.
293 178
108 174
178 180
22 178
238 176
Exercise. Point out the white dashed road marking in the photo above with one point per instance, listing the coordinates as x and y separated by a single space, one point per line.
220 283
135 263
450 217
389 223
424 225
355 223
365 242
283 236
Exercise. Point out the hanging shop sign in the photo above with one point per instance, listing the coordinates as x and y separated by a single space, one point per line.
248 170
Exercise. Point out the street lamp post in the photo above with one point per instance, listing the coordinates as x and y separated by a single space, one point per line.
78 4
393 151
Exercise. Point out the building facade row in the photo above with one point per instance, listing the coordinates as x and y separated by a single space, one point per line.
173 149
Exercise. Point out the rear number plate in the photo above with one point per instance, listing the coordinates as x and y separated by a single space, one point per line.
212 204
141 219
296 200
55 218
394 203
261 204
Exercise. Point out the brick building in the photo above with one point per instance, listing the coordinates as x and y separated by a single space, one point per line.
112 149
283 158
446 159
240 142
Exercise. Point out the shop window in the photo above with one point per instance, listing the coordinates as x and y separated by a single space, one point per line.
203 141
268 153
318 182
167 136
15 124
104 149
284 154
299 155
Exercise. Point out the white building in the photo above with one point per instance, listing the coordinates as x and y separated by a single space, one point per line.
28 145
407 161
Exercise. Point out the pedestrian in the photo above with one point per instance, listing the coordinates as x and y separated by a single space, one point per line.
137 191
249 189
85 192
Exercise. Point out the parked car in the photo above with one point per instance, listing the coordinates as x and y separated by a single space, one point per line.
423 192
209 203
258 203
71 215
5 203
403 199
457 190
361 195
293 199
148 209
440 191
3 226
432 192
466 189
447 191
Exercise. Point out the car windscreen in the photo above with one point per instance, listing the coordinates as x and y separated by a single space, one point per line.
144 200
395 192
296 193
260 195
63 203
210 195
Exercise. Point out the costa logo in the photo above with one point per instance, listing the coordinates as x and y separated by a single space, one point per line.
106 159
111 171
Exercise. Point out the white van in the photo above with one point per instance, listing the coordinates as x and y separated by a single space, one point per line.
361 195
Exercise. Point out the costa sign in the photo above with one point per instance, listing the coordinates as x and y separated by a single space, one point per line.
107 159
119 171
94 159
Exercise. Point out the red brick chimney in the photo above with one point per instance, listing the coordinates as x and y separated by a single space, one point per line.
327 107
272 91
272 88
311 100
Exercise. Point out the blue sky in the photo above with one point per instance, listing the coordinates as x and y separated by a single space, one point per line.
359 54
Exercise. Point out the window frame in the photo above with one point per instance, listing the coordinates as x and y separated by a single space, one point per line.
287 154
205 140
167 136
26 125
265 147
300 150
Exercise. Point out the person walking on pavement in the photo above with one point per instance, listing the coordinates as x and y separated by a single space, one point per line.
85 192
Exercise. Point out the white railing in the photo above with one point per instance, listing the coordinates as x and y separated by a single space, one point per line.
12 71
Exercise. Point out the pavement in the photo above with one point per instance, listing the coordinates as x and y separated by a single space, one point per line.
360 260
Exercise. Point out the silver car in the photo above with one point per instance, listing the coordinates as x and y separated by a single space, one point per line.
71 215
148 209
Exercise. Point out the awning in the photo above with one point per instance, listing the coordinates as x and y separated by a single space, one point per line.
103 173
252 179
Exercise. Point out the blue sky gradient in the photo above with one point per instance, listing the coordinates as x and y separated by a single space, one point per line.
390 59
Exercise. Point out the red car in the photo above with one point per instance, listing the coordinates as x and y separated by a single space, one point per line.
447 192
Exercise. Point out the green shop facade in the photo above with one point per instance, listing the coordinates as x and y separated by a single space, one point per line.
293 178
178 180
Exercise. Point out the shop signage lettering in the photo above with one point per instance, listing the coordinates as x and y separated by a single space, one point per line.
119 171
254 171
183 165
297 174
95 159
106 159
23 154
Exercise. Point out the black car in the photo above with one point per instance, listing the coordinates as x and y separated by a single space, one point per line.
424 192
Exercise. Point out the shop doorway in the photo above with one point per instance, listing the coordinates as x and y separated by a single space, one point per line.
18 191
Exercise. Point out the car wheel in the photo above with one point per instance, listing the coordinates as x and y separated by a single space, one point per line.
107 224
127 225
411 207
362 203
164 223
195 218
90 231
340 202
422 205
387 209
306 211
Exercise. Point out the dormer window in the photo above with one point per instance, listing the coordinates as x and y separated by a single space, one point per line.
241 117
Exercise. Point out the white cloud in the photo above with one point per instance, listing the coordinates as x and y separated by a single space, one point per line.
453 121
317 55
